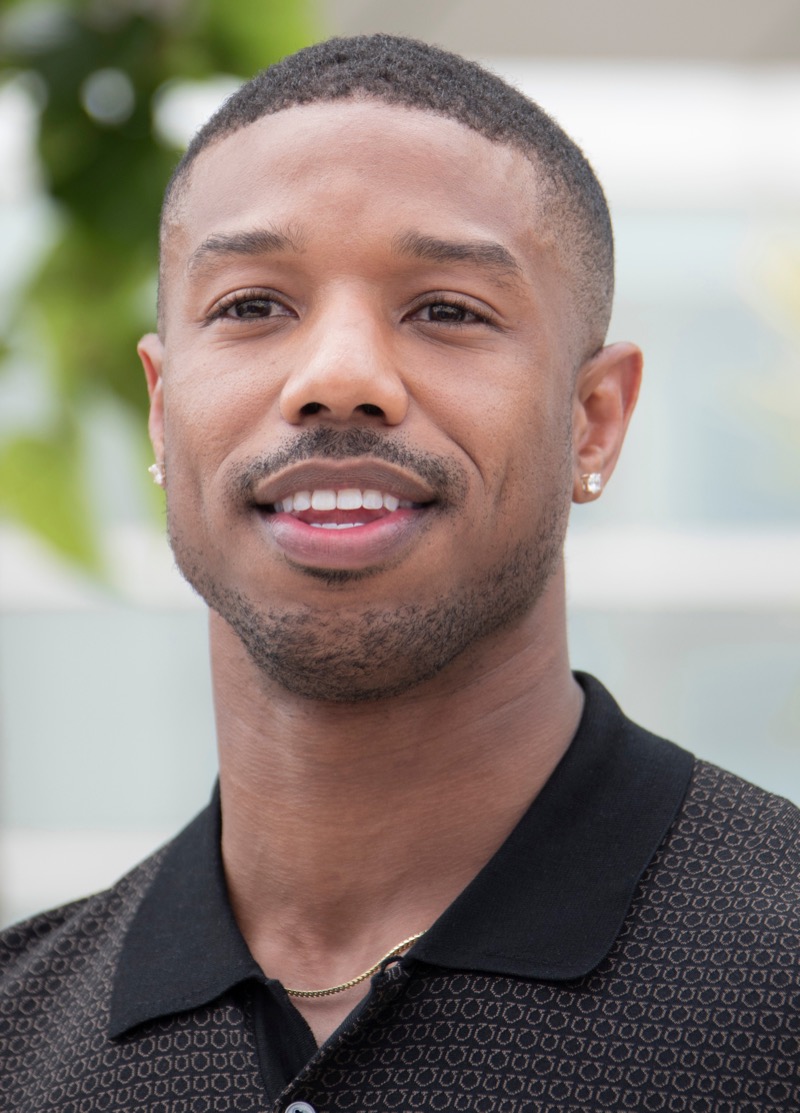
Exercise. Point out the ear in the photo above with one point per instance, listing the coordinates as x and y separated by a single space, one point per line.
606 390
151 353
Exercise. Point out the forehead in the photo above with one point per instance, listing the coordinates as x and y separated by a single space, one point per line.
358 167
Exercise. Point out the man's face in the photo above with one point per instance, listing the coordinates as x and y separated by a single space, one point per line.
363 399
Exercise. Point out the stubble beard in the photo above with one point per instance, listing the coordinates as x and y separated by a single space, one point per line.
359 654
355 656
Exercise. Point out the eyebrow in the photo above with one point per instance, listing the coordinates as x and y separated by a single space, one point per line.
487 254
483 253
259 241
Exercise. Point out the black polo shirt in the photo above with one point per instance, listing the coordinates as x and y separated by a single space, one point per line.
632 945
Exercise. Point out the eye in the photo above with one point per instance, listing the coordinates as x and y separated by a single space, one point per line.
447 314
256 307
249 305
450 312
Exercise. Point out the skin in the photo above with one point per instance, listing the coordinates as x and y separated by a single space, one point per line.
356 809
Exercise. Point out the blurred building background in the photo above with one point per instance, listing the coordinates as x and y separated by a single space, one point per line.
683 579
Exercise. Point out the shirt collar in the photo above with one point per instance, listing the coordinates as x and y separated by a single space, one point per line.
183 947
549 904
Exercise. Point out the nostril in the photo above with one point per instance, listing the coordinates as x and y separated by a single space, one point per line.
366 408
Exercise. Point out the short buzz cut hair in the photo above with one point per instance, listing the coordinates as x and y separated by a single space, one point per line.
415 75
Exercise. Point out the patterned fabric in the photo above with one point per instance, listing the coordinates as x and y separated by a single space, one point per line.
694 1010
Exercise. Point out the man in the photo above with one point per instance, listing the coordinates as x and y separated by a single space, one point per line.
441 871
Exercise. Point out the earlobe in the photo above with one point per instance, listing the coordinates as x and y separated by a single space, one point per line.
151 353
606 390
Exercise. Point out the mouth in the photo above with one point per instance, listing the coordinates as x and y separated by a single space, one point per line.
343 516
342 508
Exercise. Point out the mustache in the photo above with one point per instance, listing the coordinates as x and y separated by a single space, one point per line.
440 473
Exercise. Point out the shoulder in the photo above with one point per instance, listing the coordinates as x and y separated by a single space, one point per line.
723 827
734 822
730 867
73 948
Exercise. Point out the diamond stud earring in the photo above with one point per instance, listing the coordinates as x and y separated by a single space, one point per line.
157 473
592 483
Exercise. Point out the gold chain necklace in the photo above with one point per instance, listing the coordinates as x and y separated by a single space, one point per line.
361 977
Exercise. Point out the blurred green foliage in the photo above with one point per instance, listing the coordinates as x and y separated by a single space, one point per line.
97 68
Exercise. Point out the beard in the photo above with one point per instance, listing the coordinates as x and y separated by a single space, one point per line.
359 653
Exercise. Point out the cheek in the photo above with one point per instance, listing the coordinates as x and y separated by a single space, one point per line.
210 411
514 426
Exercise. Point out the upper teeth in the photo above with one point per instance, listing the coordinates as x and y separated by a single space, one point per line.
348 499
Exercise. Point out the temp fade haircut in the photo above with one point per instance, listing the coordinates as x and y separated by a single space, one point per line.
401 71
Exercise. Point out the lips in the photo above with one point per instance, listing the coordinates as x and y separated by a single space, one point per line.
345 479
342 514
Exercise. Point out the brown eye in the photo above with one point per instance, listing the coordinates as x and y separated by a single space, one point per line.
250 308
448 314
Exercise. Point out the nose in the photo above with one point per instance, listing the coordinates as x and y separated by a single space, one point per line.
345 373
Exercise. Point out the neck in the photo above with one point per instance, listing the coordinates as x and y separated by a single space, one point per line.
339 815
362 822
